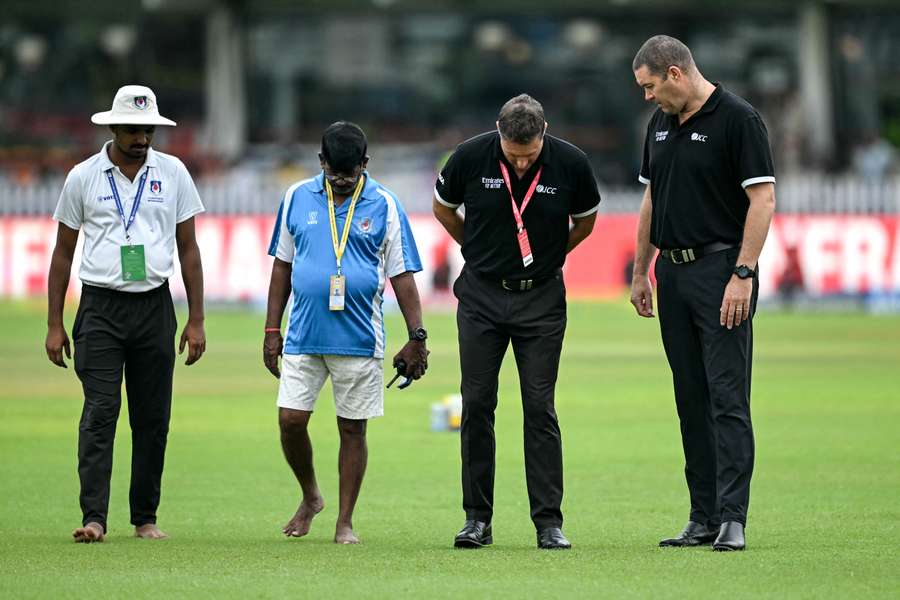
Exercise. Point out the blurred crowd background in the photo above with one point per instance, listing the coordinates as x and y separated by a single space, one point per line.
252 84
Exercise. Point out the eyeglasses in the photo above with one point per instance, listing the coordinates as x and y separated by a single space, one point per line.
346 178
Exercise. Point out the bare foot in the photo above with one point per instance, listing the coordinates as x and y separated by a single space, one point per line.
299 524
90 533
150 531
343 534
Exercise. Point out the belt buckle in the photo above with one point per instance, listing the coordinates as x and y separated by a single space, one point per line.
517 285
686 256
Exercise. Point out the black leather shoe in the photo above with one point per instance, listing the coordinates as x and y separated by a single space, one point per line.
474 534
731 537
552 538
694 534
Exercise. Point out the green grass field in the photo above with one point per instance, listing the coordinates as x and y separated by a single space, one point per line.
824 515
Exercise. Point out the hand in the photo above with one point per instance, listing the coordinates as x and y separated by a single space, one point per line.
57 341
642 295
415 355
736 302
195 338
273 345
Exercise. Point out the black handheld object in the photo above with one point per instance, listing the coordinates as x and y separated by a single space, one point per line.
401 369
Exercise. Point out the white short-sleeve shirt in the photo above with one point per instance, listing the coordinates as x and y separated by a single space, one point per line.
87 203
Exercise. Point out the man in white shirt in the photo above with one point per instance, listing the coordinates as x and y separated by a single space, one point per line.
135 205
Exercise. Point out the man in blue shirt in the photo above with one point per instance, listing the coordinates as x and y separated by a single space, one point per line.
337 238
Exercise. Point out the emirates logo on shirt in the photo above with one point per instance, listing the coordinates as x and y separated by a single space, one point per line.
365 225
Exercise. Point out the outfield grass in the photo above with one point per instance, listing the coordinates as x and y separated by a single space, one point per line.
823 518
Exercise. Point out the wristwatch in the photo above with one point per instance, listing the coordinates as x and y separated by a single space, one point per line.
418 335
744 272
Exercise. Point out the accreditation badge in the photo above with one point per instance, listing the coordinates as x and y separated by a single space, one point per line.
133 265
525 247
336 289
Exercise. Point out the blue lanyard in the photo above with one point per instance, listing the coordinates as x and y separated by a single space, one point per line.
137 200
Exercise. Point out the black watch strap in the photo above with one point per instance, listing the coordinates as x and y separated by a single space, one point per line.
744 272
418 335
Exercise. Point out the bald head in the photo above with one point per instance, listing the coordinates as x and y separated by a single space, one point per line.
661 52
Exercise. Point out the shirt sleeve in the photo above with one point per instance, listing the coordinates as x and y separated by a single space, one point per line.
587 195
400 251
644 175
70 207
188 202
449 189
282 244
751 155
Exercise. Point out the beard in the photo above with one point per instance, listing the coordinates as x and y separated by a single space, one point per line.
133 151
344 190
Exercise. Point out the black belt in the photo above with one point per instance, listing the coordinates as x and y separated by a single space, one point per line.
685 255
519 285
103 291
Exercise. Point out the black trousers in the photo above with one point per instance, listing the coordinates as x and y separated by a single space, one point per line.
134 332
711 367
488 318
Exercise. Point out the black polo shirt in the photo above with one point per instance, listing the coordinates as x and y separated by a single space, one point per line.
698 171
472 177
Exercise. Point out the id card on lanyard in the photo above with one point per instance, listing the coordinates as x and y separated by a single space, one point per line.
337 284
521 233
133 261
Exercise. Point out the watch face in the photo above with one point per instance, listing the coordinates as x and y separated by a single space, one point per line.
743 272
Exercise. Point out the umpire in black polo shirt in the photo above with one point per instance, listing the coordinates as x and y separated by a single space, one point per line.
708 202
520 188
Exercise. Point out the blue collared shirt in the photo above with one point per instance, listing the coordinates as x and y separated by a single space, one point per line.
380 245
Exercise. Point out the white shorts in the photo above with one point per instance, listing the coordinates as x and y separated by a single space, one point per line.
358 383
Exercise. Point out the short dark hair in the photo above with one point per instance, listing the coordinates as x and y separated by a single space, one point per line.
521 119
661 52
344 146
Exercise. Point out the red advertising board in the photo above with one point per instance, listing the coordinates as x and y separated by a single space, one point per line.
825 254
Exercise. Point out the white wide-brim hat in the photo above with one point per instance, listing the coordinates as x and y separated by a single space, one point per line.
133 105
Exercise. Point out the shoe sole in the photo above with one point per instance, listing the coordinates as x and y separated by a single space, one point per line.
670 545
727 549
472 544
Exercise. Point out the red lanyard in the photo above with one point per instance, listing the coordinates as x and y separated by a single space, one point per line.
521 234
517 213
